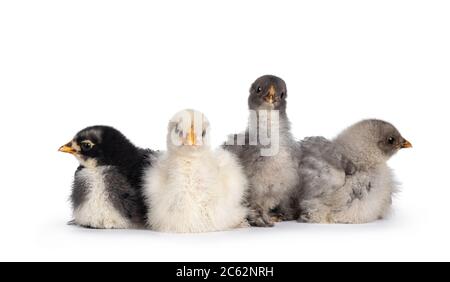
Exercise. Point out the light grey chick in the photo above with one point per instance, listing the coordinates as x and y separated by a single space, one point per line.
267 151
347 180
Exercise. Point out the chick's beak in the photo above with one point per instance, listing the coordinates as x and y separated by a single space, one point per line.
191 138
67 149
270 98
406 144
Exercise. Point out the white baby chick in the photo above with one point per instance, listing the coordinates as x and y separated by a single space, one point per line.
192 188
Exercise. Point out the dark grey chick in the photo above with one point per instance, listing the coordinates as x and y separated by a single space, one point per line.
267 151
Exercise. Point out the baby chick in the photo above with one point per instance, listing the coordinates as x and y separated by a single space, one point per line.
107 187
347 180
271 166
192 188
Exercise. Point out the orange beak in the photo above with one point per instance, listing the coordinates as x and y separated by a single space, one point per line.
406 144
271 97
67 149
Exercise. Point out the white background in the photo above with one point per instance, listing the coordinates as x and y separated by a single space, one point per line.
65 65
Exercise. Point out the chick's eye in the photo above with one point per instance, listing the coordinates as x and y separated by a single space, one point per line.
258 90
282 95
86 146
178 131
391 140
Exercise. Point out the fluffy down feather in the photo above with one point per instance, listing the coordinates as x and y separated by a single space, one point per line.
195 190
272 178
347 180
107 189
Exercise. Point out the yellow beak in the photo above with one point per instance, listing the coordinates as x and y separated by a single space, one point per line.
67 149
191 138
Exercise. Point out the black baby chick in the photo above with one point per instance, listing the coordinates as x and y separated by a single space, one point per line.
106 191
